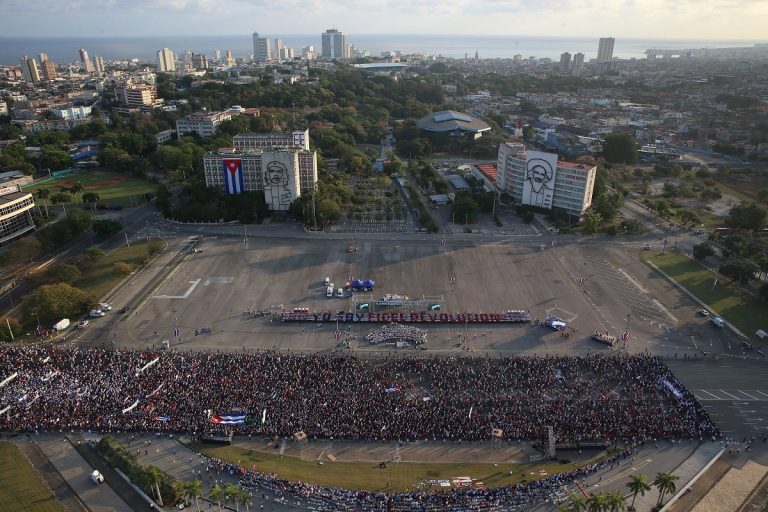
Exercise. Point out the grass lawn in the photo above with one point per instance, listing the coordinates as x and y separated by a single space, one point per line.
744 311
111 186
368 476
102 278
20 486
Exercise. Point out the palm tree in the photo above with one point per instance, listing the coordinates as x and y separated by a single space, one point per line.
153 478
60 198
91 198
193 490
43 194
180 486
216 494
232 493
77 188
597 502
665 482
616 501
638 484
578 503
246 498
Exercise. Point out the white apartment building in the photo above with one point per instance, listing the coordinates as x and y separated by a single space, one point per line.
138 95
262 48
245 141
15 212
202 123
540 179
334 45
283 173
72 113
166 62
29 69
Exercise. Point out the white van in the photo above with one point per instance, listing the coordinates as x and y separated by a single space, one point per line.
327 281
329 291
340 292
719 322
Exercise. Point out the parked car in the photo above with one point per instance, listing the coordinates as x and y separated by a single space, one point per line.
83 324
96 477
717 321
125 309
104 306
703 312
96 313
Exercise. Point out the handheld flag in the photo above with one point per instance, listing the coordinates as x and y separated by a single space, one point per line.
228 419
233 176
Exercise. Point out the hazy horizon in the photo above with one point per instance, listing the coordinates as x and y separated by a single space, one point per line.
646 19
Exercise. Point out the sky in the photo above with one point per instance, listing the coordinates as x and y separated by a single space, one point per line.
644 19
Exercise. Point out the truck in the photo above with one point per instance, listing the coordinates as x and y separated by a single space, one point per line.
718 322
329 290
604 337
61 324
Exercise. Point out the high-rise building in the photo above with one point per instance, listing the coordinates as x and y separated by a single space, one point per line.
87 64
49 69
308 53
165 61
540 179
199 61
29 69
605 53
217 54
230 59
333 44
278 46
262 49
565 62
98 64
578 64
286 53
43 57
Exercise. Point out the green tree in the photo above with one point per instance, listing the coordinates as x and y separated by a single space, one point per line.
194 491
153 478
592 221
329 211
616 502
180 488
464 207
702 251
52 302
217 493
597 502
106 227
54 158
747 216
63 273
665 483
638 484
23 250
43 194
620 148
577 502
245 498
91 198
94 254
122 267
60 198
232 493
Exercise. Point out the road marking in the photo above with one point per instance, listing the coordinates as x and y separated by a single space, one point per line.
730 395
710 394
186 295
750 396
761 393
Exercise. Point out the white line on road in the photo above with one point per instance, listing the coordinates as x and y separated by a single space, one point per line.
730 395
189 291
750 396
710 394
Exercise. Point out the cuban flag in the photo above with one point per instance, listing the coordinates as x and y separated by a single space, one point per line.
625 336
228 419
177 332
161 418
392 389
233 176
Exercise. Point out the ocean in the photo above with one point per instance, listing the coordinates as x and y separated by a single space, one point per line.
63 50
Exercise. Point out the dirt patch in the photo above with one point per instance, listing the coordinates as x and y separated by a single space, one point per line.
104 184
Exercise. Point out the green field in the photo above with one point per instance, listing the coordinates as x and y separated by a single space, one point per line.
112 187
20 486
743 310
99 280
368 476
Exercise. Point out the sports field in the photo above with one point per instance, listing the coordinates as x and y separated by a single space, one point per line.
20 487
112 187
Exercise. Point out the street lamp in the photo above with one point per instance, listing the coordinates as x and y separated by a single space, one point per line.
626 331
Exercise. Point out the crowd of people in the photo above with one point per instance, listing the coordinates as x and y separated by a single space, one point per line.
394 332
601 397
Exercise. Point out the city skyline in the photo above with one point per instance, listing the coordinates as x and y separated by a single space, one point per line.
719 19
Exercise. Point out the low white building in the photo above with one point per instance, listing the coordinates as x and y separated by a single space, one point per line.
202 123
71 113
298 138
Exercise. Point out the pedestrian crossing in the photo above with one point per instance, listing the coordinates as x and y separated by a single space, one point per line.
743 395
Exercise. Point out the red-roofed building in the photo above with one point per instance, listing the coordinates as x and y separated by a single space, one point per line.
487 174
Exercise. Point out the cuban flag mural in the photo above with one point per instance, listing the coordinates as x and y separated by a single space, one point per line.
233 176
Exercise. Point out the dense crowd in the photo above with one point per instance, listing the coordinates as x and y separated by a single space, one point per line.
341 396
397 332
